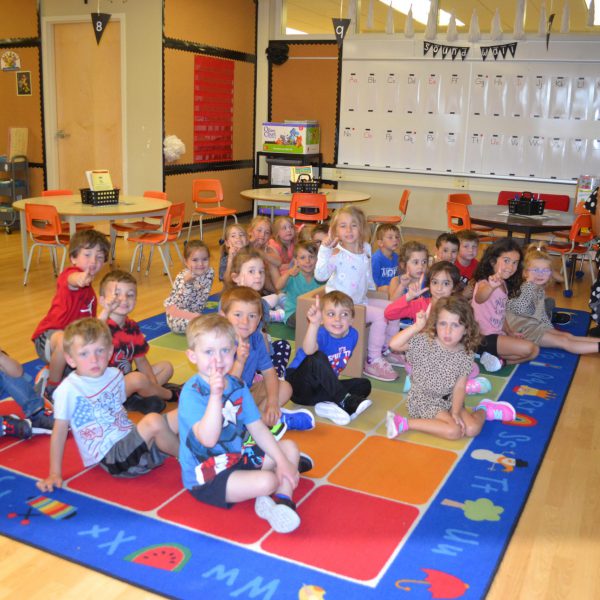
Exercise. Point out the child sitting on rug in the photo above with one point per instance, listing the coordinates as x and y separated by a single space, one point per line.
191 288
90 402
235 239
466 260
446 248
146 387
259 234
281 245
14 383
526 313
215 411
384 261
75 298
242 307
327 347
440 348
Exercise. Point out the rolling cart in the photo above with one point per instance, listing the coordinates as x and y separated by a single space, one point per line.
14 185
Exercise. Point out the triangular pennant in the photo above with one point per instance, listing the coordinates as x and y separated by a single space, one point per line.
512 48
99 22
484 52
549 29
445 50
426 47
454 52
495 52
503 50
436 49
463 52
340 26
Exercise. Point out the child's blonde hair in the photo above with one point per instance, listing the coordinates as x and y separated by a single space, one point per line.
118 277
90 330
231 227
256 221
409 248
194 245
305 234
535 252
243 256
460 306
277 224
357 214
213 323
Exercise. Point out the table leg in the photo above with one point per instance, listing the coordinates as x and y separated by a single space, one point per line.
72 226
24 235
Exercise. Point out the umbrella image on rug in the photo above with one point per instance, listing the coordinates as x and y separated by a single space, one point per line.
482 509
441 585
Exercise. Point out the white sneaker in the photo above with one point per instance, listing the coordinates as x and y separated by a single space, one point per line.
333 412
490 362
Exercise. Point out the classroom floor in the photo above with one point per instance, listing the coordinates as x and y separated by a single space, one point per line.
554 552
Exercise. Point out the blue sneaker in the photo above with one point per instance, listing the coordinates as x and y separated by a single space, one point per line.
300 420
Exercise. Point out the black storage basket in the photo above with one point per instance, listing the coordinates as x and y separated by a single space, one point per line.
526 205
305 185
100 198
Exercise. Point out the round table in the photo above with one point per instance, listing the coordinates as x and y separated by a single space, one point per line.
281 197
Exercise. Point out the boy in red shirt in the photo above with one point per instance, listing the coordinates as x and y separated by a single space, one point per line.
74 299
466 261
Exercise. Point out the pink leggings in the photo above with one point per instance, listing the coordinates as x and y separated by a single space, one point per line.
382 330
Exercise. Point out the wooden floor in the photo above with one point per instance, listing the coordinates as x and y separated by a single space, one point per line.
554 553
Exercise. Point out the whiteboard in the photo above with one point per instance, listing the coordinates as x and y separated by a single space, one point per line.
532 118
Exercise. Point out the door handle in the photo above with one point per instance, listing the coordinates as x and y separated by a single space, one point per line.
61 134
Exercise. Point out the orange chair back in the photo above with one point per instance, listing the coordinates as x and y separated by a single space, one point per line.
42 220
46 193
157 195
460 198
581 230
403 206
580 209
458 216
300 202
207 191
173 222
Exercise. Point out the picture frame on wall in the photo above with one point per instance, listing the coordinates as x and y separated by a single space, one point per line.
23 83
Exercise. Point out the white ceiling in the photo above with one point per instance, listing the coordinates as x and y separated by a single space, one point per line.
314 16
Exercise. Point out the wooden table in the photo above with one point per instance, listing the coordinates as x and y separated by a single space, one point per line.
281 197
497 216
73 211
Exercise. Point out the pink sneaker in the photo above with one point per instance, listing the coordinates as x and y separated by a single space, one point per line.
380 369
395 424
497 411
398 359
479 385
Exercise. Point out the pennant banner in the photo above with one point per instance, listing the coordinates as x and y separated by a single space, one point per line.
499 50
99 21
452 51
340 26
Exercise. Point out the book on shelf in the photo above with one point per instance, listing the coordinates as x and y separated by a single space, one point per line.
99 180
295 172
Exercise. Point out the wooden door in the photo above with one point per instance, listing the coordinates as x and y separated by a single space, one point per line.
88 102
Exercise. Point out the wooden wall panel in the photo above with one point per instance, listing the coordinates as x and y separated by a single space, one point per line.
179 188
18 19
229 24
307 89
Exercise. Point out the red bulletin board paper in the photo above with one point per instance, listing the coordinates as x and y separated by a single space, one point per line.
213 109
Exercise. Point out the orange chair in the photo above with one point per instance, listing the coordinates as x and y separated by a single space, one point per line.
205 192
578 246
169 234
462 198
376 220
45 231
130 227
309 207
459 219
64 225
579 210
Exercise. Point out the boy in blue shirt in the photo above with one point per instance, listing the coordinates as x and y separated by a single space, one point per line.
384 261
326 349
215 410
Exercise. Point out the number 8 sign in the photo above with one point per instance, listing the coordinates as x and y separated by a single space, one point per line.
99 22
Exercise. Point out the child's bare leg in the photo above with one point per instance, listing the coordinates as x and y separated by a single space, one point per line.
473 421
291 452
163 371
570 343
285 392
442 426
154 429
138 383
172 421
516 350
57 364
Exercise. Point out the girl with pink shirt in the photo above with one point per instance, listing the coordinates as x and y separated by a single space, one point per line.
281 245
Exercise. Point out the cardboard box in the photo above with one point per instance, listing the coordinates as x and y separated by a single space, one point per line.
291 137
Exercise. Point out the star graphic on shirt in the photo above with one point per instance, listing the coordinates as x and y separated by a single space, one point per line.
229 412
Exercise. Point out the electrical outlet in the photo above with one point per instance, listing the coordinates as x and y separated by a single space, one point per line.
461 183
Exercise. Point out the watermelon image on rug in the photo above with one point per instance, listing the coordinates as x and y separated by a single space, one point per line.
168 557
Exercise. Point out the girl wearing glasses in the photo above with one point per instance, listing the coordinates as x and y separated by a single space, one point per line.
526 312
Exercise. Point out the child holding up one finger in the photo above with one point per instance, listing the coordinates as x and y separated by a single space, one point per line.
215 410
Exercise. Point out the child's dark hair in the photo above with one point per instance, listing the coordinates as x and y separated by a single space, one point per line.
241 294
338 299
447 237
383 228
194 245
89 238
467 235
488 263
457 305
409 248
308 246
443 266
119 277
321 228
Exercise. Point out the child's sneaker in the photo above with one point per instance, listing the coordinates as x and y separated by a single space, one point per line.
355 405
42 422
305 463
379 368
406 386
397 359
149 404
276 315
299 420
279 512
497 411
395 424
479 385
175 389
40 381
490 362
333 412
277 431
15 427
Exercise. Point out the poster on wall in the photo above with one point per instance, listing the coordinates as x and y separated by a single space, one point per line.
10 61
23 83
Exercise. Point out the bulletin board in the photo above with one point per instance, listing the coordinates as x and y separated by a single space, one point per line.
522 117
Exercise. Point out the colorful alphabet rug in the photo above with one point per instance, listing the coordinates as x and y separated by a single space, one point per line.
412 518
